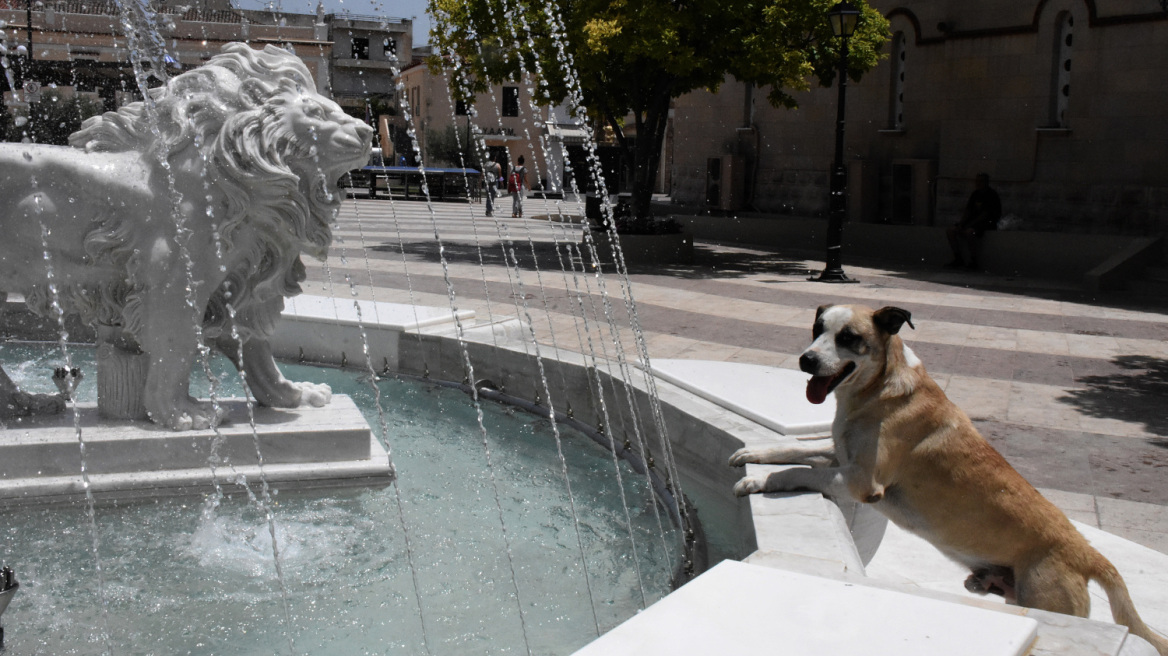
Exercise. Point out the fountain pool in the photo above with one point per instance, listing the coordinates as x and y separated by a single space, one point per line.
181 578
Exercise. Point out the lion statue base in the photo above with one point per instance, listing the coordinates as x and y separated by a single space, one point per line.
176 226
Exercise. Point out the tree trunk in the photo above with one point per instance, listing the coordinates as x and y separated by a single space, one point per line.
647 158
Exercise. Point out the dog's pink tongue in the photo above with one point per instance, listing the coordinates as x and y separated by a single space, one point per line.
817 389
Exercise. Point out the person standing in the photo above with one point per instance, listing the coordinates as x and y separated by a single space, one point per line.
982 212
516 183
491 173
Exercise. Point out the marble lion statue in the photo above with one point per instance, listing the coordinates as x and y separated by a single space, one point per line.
179 223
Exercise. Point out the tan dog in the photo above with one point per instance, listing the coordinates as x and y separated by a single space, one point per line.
902 446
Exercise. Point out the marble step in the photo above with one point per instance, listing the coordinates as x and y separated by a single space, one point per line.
40 458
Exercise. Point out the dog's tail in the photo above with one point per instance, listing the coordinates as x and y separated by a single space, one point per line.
1122 609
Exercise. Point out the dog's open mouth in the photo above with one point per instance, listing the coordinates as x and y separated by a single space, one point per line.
820 386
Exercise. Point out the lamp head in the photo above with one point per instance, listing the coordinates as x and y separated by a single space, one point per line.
843 17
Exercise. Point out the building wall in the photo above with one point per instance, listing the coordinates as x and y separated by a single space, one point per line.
979 95
509 137
71 34
356 79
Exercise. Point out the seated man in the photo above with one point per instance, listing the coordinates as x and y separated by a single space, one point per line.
982 212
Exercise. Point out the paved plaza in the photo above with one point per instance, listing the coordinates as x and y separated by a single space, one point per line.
1069 386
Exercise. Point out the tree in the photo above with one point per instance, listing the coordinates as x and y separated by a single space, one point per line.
632 57
447 147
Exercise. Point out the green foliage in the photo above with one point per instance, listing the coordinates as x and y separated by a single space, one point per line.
625 50
382 105
448 148
634 56
51 120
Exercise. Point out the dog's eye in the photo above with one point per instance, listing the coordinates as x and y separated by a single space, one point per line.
816 330
847 339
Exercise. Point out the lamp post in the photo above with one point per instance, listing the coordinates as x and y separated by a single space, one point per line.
843 17
28 25
24 65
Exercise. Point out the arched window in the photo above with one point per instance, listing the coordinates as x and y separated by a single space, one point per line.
1061 77
896 84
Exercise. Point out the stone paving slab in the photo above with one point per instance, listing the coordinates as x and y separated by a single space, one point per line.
1070 385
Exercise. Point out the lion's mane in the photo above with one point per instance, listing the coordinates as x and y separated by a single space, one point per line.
223 121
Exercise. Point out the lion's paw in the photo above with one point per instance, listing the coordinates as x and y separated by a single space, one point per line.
315 395
23 404
189 415
742 457
749 485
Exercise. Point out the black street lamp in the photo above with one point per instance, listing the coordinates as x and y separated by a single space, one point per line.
843 17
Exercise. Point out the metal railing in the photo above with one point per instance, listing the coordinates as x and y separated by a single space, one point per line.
104 8
344 15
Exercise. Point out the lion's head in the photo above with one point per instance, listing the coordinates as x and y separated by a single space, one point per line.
254 121
252 125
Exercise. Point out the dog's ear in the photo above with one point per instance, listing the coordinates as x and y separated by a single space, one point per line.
890 319
821 309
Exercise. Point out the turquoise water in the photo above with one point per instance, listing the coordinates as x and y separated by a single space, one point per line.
180 581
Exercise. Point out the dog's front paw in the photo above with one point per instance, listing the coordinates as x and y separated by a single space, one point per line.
743 456
749 485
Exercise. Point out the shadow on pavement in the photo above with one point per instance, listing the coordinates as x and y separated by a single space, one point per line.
991 284
547 255
709 262
1137 394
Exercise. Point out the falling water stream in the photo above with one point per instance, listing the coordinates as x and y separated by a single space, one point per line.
180 582
149 56
509 547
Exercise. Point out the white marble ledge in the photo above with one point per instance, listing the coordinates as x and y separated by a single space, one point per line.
773 397
743 608
906 558
399 316
802 524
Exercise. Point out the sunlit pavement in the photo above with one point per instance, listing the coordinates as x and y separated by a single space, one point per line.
1072 389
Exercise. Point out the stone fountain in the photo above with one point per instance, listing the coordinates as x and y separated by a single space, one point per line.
175 226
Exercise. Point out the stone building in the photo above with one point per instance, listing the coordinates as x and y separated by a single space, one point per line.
79 47
1061 102
367 52
510 124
